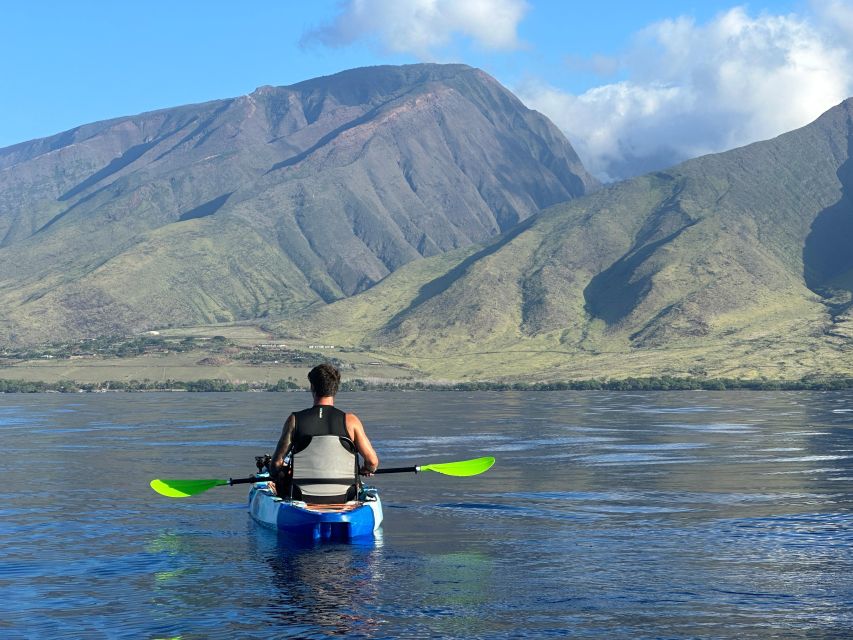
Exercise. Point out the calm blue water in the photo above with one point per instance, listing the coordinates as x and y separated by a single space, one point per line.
612 515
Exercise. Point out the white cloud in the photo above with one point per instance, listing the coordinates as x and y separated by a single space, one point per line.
837 14
695 89
421 27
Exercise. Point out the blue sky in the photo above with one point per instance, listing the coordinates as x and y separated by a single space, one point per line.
620 78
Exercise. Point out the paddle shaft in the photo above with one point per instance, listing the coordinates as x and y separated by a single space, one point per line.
233 481
247 480
389 470
415 469
378 471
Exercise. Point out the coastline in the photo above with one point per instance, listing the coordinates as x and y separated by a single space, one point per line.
653 383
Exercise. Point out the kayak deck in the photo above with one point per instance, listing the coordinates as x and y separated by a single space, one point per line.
321 522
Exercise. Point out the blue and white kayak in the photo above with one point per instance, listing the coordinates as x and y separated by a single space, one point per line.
354 519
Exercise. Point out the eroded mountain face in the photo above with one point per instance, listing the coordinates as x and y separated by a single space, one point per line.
266 203
733 262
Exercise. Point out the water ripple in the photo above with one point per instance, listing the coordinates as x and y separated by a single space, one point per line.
637 515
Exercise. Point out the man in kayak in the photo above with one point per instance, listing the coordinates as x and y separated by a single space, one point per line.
302 443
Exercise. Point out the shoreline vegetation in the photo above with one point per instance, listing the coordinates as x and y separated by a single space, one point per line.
245 357
655 383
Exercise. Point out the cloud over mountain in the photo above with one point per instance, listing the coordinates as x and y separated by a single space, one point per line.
419 27
690 89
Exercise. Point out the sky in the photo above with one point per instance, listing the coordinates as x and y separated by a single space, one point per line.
635 86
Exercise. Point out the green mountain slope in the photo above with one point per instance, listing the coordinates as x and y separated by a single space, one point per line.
266 203
731 264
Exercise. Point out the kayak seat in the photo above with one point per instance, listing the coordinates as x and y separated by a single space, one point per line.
325 470
297 494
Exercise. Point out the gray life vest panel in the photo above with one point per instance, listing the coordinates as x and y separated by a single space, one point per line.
324 459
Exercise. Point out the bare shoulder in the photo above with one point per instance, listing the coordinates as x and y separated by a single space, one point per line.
353 424
357 433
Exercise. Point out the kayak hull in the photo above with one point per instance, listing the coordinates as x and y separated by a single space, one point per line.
357 519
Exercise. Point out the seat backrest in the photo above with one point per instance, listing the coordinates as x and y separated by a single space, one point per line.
325 470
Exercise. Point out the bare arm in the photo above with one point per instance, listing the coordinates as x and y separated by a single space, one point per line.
281 449
362 443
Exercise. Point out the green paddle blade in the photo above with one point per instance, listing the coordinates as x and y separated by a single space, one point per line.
184 488
462 468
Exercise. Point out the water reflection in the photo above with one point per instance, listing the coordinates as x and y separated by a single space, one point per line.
453 590
362 590
331 588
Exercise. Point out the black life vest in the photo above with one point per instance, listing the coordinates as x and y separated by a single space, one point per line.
324 459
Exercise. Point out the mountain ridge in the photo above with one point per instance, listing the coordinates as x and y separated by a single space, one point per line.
708 258
338 181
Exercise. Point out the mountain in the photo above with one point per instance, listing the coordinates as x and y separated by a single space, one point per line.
266 203
734 264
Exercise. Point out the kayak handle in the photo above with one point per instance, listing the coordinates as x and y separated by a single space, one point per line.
398 470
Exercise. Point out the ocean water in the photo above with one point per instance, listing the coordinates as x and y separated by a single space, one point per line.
612 515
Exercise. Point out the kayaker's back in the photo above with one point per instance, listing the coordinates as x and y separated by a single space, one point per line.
323 459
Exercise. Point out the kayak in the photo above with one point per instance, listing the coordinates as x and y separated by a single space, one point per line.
352 520
338 522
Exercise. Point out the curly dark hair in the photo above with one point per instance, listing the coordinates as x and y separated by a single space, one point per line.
324 380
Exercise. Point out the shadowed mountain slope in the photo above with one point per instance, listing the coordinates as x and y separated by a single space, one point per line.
266 203
737 263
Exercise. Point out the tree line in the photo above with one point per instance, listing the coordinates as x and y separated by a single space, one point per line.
654 383
68 386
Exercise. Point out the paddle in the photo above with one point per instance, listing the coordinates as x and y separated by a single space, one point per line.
187 488
462 468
